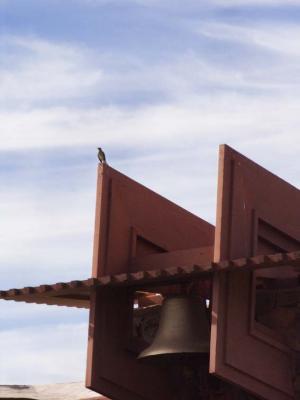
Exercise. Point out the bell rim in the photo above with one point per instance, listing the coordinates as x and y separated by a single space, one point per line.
163 352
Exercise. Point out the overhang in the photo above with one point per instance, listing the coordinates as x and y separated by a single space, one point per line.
77 293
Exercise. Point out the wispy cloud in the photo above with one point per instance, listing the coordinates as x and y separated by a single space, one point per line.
280 38
205 3
257 3
38 70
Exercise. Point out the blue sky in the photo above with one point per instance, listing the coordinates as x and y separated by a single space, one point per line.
157 84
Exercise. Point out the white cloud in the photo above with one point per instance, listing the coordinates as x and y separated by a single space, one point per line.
212 118
203 4
258 3
278 37
13 313
43 354
50 228
55 73
41 70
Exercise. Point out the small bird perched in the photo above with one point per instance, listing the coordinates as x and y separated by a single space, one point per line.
101 156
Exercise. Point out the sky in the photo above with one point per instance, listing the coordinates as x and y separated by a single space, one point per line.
159 84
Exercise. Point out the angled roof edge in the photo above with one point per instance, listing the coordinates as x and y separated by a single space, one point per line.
77 293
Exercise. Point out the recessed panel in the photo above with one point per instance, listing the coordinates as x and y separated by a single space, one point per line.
135 230
257 213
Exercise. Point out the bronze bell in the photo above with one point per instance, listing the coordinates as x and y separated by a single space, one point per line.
183 328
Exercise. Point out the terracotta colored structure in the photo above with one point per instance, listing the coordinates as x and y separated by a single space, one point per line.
146 248
258 214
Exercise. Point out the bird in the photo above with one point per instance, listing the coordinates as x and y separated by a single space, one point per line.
101 156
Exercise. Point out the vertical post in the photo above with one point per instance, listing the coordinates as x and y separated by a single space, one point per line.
296 345
293 341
